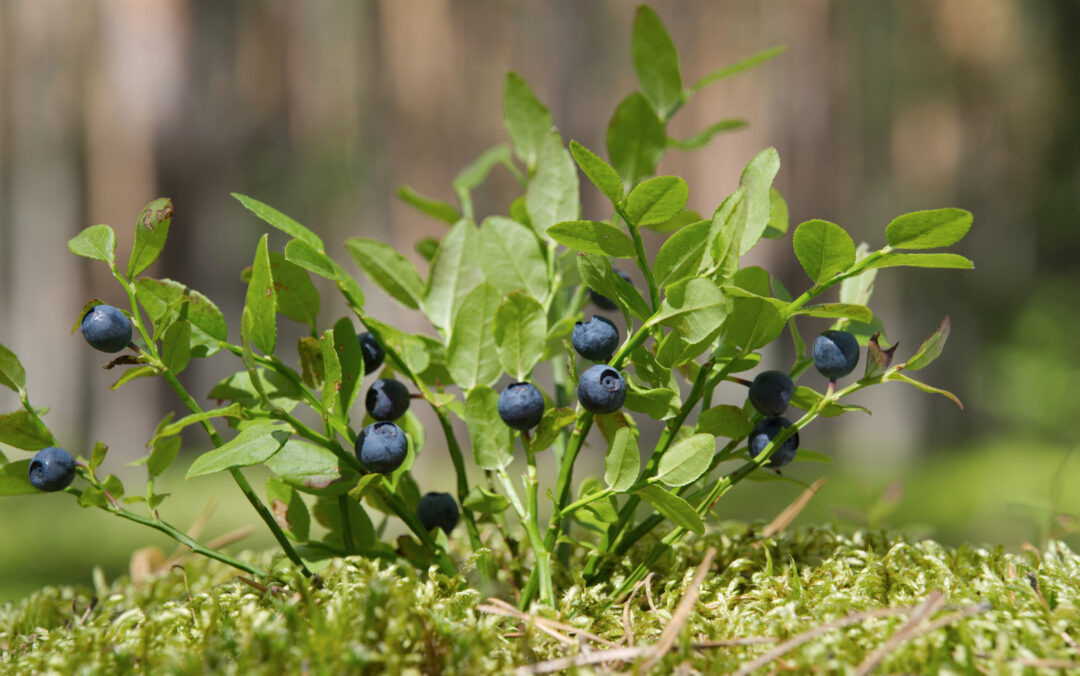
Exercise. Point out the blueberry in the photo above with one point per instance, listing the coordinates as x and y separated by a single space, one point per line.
387 399
382 447
771 391
603 302
764 432
521 406
601 389
438 510
595 339
106 328
52 469
373 352
835 354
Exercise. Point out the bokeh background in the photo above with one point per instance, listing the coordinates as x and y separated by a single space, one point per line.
324 108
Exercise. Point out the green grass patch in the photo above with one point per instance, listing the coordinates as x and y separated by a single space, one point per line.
370 617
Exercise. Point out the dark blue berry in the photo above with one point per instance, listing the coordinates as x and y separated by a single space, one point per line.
771 391
521 406
52 469
373 352
603 302
601 389
438 510
387 399
595 339
836 353
106 328
382 447
765 431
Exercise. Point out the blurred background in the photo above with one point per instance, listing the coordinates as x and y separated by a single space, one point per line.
323 109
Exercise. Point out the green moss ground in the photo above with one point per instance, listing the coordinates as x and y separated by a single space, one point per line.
378 618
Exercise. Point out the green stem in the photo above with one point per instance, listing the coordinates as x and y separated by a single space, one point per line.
642 260
457 458
816 290
587 500
446 565
542 570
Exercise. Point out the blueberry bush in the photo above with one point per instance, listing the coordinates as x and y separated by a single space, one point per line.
506 296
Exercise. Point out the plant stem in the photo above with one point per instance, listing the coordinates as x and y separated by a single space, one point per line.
446 565
542 570
642 260
457 458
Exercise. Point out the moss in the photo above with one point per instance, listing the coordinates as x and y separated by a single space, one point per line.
372 617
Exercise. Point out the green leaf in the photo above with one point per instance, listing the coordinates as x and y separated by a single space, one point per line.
15 479
491 440
511 258
656 200
261 301
478 171
22 430
12 373
728 225
824 249
351 361
427 247
928 229
288 509
280 221
805 398
133 374
238 387
255 444
313 260
553 421
311 361
753 322
702 138
520 333
602 174
931 348
858 289
297 297
680 255
526 119
483 501
623 461
597 274
695 308
778 216
176 346
593 237
878 360
687 460
552 195
98 242
437 209
672 507
311 468
897 375
757 178
151 232
931 260
327 511
392 272
472 356
680 220
635 139
162 455
725 421
97 456
454 273
167 301
859 313
656 62
737 67
659 403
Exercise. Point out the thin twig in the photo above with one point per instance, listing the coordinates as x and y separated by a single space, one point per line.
682 613
500 607
784 518
910 629
628 654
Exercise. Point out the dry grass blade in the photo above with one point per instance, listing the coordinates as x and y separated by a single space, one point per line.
682 613
909 630
784 518
500 607
628 654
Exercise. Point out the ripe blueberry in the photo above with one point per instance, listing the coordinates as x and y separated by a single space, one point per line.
595 339
603 302
835 354
52 469
601 389
106 328
438 510
764 432
387 399
382 447
771 391
521 406
373 352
